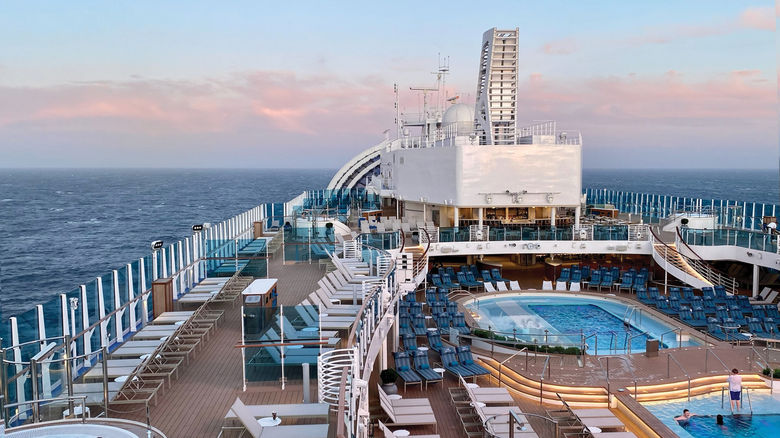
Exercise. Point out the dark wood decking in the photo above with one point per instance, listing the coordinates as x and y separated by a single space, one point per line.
198 401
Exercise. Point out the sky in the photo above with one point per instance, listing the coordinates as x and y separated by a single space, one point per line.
661 84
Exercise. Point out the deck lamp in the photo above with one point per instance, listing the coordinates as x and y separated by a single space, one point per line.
156 245
197 228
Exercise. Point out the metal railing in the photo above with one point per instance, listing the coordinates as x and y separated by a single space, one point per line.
669 359
765 365
677 330
633 376
706 269
547 368
501 364
707 353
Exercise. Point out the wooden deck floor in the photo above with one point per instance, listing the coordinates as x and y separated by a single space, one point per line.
198 401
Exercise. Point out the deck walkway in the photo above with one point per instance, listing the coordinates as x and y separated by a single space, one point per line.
198 401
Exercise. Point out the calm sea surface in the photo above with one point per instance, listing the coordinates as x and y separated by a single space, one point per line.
61 228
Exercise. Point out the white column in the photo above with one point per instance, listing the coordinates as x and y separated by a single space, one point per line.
755 280
552 216
118 329
577 216
455 217
130 297
102 314
479 212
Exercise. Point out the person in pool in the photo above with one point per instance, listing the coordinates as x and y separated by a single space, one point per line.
686 415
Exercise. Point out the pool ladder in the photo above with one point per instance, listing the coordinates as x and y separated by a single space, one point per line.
744 390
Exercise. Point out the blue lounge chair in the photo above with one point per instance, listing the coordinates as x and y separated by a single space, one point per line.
606 281
662 304
744 303
565 275
459 324
674 305
430 296
674 292
585 270
410 297
466 360
451 364
409 342
486 277
771 326
436 280
772 311
707 291
475 272
736 314
450 271
496 274
448 283
403 365
443 321
576 277
415 309
699 318
419 325
757 328
472 279
437 308
687 295
423 367
642 296
452 307
730 334
405 325
434 340
403 308
595 280
464 282
627 282
722 313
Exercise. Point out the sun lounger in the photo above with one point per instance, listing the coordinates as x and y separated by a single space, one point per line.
514 285
389 434
294 410
612 422
419 415
590 413
257 431
489 287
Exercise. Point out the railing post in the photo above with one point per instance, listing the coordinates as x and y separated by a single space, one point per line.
69 375
34 381
104 363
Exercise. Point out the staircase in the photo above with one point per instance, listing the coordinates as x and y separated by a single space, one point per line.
694 272
699 386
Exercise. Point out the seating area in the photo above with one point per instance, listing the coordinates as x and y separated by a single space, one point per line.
592 422
723 316
471 278
488 409
267 421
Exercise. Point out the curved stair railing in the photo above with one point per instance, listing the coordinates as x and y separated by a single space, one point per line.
681 266
704 268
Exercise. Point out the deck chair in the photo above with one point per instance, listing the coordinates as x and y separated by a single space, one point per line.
560 286
489 287
764 293
574 287
419 414
514 285
501 286
256 431
547 285
387 433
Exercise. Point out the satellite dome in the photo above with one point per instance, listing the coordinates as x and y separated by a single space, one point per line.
461 114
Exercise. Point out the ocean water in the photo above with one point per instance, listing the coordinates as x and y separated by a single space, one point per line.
61 228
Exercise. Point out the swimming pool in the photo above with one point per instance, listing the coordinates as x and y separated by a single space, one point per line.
557 319
73 431
764 423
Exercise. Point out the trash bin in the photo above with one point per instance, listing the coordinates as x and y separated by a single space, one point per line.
651 348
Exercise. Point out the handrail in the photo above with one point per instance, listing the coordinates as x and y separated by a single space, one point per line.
340 424
37 402
423 257
500 364
728 282
707 352
669 358
631 338
766 365
674 330
633 375
541 379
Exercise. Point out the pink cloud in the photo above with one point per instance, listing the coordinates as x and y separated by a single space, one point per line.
560 47
758 18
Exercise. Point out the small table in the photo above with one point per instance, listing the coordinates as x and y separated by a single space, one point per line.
428 316
395 397
478 404
123 379
440 371
423 348
269 421
401 432
431 329
594 429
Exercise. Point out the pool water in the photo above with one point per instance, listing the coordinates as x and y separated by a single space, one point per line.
763 423
558 319
738 425
569 318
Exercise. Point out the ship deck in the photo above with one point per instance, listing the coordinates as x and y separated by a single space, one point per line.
197 402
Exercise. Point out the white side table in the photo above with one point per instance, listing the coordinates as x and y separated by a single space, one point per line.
440 371
423 348
269 421
478 404
401 432
395 396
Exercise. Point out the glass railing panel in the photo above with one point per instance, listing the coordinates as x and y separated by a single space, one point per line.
108 305
27 325
74 318
123 297
52 316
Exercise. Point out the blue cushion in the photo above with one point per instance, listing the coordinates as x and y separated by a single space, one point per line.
424 366
454 363
469 362
403 368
